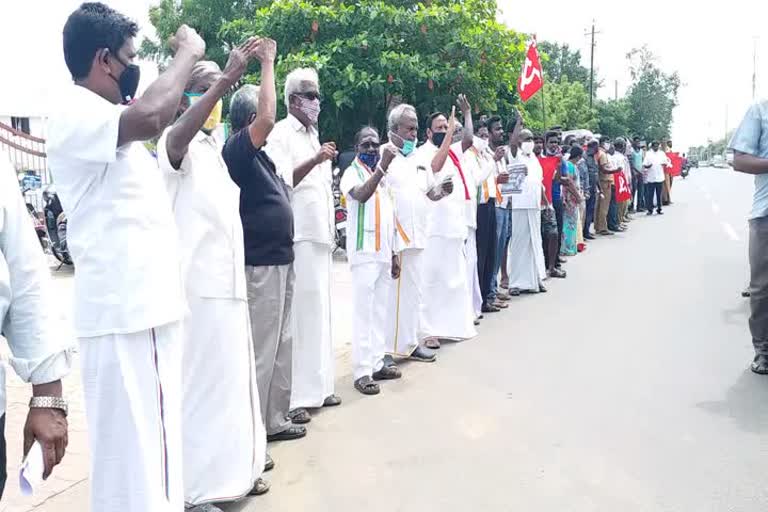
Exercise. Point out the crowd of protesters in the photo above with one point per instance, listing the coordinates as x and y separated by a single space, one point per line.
203 284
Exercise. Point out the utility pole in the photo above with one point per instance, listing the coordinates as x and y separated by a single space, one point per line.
592 64
616 90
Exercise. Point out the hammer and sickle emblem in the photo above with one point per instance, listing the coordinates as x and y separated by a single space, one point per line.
529 73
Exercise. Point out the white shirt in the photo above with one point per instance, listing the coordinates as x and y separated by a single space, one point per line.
486 188
618 162
446 217
530 196
476 170
657 160
206 203
369 222
290 144
408 179
121 231
40 349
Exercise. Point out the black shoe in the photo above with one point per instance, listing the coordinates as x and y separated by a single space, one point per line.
423 355
269 464
289 434
650 212
477 321
660 212
589 236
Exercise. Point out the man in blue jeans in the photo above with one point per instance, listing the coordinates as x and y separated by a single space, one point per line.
750 147
496 297
594 170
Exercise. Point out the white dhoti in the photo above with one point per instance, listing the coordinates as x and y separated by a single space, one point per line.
132 391
470 251
447 311
224 438
405 306
371 286
313 361
525 261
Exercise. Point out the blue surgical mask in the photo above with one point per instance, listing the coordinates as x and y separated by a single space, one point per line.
370 160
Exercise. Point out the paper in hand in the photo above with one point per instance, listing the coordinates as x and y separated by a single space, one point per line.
31 472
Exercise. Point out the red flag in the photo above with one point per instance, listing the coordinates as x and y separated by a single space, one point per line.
550 165
623 192
532 77
677 164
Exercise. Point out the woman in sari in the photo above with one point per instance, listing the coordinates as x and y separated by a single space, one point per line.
571 203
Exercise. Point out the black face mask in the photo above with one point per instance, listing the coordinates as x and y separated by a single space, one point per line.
438 138
129 80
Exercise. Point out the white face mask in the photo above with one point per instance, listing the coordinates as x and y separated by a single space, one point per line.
527 147
480 144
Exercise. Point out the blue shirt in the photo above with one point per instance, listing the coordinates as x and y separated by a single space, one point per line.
752 138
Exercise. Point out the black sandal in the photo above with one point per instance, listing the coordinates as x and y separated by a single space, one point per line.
760 365
387 373
299 416
332 401
366 386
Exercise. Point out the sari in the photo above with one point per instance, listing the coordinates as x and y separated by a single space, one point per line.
571 203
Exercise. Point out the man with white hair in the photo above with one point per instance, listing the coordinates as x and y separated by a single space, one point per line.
407 180
220 395
305 165
447 313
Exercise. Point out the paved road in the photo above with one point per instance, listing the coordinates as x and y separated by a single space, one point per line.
625 388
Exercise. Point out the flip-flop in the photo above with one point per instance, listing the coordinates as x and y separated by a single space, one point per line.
387 373
300 416
366 386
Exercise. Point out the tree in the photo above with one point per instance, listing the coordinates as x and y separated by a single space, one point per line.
613 118
563 63
369 54
566 103
652 96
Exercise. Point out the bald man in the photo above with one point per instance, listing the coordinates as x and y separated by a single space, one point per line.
224 441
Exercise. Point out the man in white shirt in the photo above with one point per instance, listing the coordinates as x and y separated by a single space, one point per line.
619 164
370 251
220 394
305 165
40 353
408 179
447 310
124 243
654 163
526 252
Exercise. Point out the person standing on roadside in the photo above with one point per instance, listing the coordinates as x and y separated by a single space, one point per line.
497 296
638 185
593 170
129 299
40 354
750 147
605 186
220 393
305 164
655 162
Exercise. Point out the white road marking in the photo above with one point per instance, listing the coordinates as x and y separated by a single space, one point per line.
729 231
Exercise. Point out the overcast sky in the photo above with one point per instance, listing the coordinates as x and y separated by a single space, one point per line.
711 49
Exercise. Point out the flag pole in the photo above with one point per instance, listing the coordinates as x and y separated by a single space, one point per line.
543 103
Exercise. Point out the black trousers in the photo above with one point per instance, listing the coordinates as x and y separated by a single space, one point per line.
486 246
650 189
3 458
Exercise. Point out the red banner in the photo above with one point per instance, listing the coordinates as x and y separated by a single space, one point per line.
532 78
623 192
550 165
677 164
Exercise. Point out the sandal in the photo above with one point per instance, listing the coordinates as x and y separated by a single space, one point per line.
299 416
434 343
387 373
260 487
501 305
332 401
760 365
366 386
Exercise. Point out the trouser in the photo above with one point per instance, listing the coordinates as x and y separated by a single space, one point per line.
666 195
132 390
270 299
613 212
558 205
589 211
602 204
371 285
503 234
758 284
623 206
3 457
650 190
486 246
638 192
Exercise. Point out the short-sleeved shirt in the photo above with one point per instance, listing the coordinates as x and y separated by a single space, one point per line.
265 203
656 160
289 145
121 230
751 138
371 225
530 197
205 202
408 180
637 160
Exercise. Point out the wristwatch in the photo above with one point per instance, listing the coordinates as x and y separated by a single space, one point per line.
49 402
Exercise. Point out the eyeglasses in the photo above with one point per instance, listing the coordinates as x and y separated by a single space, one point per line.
370 145
310 95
